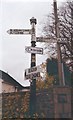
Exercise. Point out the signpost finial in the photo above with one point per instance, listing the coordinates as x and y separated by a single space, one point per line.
33 20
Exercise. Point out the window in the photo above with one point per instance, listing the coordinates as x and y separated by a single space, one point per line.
62 98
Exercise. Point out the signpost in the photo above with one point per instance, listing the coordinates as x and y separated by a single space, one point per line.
35 50
33 22
19 31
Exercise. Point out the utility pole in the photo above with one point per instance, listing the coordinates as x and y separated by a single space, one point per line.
32 107
60 63
72 39
72 28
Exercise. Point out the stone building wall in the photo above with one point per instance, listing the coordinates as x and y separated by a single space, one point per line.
6 87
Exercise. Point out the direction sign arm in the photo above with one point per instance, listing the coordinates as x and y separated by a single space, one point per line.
45 39
19 31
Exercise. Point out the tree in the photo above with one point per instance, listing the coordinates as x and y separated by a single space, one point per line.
52 69
66 26
44 84
65 16
45 81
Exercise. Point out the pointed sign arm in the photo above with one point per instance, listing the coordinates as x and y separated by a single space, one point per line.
50 39
19 31
45 39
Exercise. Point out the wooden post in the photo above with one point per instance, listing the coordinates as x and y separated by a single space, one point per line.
60 63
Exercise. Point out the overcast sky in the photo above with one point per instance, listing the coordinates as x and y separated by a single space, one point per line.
17 14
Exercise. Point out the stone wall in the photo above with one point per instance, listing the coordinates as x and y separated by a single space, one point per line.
72 102
0 106
62 102
15 105
51 103
45 104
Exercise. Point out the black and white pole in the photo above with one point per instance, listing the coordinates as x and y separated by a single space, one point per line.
32 106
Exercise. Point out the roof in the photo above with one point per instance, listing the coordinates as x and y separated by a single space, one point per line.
7 78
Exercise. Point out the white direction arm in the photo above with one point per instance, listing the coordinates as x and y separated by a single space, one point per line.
19 31
45 39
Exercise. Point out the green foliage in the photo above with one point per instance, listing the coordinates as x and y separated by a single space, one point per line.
44 84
